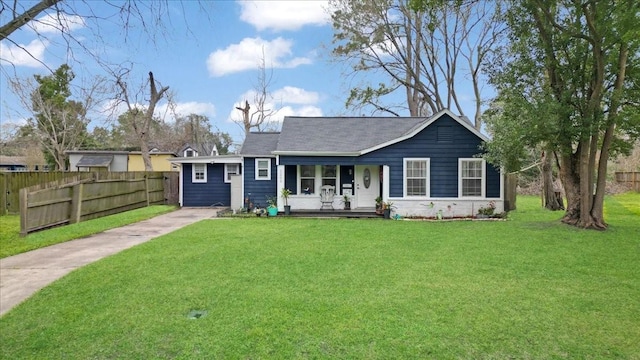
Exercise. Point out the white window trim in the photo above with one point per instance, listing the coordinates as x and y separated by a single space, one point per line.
404 178
316 169
268 177
483 181
193 173
226 172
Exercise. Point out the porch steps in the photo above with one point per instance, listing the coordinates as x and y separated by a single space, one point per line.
337 213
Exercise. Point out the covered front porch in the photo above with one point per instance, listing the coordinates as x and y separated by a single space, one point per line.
359 185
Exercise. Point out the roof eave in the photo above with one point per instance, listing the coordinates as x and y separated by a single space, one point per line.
317 153
220 159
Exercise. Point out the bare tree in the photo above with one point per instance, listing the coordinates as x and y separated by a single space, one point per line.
260 118
421 49
141 117
63 15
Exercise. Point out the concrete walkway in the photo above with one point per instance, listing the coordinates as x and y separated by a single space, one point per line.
24 274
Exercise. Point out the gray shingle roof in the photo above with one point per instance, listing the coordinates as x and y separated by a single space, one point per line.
95 161
342 134
262 143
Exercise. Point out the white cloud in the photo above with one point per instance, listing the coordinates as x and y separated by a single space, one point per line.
191 107
57 23
31 55
294 95
287 101
248 55
284 15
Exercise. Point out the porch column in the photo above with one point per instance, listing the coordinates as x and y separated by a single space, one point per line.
280 187
385 182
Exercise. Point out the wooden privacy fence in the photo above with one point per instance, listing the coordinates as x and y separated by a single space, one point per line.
12 182
86 199
630 178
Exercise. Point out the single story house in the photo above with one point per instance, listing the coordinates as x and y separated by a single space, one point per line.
116 161
423 165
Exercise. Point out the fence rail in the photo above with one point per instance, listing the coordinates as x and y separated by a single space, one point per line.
85 199
631 178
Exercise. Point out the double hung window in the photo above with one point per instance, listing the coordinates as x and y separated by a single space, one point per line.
416 177
263 169
472 177
199 173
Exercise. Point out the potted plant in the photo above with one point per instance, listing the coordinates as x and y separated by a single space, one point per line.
285 193
386 209
347 202
272 209
379 209
486 212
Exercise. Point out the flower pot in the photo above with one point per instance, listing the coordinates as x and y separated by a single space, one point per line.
287 209
272 211
387 213
347 205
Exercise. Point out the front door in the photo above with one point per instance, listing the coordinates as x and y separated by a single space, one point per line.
367 182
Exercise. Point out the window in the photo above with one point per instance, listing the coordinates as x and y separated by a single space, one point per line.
471 177
263 169
329 175
416 177
189 153
199 173
307 179
230 169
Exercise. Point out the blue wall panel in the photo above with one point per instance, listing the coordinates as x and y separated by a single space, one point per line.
215 192
258 190
291 178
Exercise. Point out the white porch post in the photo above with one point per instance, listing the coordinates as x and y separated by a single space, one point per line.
180 186
280 187
385 182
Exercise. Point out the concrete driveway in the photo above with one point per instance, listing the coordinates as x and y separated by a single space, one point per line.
24 274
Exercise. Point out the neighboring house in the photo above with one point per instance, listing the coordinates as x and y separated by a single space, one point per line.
422 165
106 160
97 160
194 150
159 161
21 163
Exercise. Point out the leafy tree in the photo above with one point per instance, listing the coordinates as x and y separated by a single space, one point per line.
569 80
58 123
196 129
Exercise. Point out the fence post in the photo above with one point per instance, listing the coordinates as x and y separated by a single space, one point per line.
76 203
146 187
3 195
24 197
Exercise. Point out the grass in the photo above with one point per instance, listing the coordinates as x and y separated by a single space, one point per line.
527 288
11 243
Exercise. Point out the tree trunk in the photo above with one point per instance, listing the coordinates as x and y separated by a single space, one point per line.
580 202
551 200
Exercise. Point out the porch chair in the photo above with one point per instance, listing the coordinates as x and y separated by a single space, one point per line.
327 192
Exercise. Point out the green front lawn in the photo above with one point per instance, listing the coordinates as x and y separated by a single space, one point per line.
11 243
280 288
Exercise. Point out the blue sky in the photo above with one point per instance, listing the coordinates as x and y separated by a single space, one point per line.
208 57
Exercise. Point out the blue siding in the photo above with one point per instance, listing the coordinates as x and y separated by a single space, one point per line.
258 190
214 192
493 182
444 154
